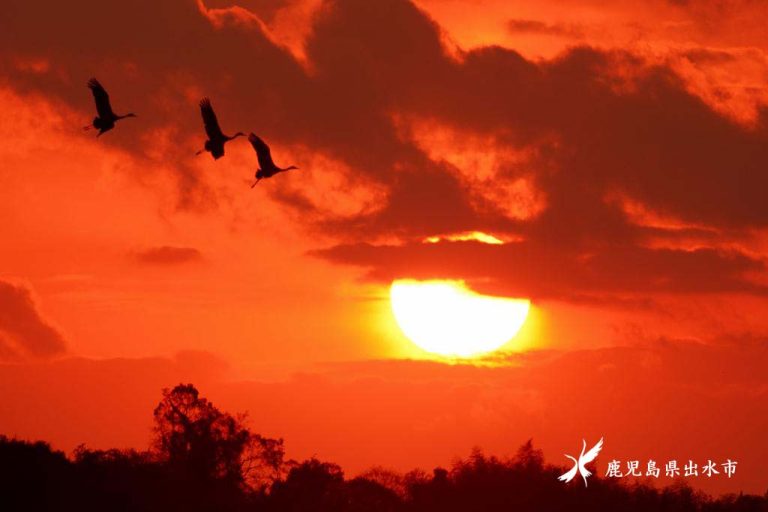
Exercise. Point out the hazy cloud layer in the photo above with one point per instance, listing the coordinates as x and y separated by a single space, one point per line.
687 400
168 255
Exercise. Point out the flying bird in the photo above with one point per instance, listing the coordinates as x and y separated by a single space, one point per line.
267 166
106 118
578 465
216 139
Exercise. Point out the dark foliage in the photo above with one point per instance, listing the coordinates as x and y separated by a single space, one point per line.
207 460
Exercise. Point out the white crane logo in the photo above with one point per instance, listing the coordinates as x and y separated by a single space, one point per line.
578 465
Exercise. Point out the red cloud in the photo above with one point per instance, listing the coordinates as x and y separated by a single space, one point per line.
24 333
596 124
167 255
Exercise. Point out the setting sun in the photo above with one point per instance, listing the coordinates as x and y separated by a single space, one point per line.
446 318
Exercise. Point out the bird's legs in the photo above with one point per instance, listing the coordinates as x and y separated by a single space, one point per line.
256 182
201 151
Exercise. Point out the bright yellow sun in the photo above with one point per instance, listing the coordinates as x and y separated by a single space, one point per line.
446 318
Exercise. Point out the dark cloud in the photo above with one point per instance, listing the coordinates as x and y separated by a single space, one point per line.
265 9
539 27
603 123
167 255
599 124
24 333
709 56
528 269
8 352
156 59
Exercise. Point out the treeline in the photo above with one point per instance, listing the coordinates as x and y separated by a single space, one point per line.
203 459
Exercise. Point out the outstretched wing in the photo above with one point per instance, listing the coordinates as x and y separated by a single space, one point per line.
262 151
209 120
592 453
568 475
101 97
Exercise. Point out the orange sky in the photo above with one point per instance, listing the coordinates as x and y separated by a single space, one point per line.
618 147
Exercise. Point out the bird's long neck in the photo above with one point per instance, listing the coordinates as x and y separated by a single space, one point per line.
238 134
126 115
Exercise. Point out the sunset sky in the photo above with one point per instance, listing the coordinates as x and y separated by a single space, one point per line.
617 150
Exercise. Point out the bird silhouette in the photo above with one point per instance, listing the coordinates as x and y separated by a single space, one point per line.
578 465
267 166
106 118
216 139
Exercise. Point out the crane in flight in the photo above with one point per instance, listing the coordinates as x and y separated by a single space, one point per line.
106 118
267 166
578 465
216 138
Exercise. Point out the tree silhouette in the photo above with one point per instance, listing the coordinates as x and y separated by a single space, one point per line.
206 460
264 463
198 440
311 485
32 476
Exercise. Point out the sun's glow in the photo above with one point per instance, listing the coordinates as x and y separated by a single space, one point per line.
446 318
476 236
